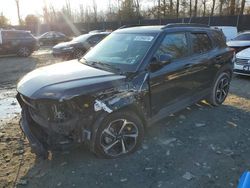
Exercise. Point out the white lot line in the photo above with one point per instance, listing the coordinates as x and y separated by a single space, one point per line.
9 106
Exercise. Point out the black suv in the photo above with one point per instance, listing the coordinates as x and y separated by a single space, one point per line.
19 42
77 47
131 79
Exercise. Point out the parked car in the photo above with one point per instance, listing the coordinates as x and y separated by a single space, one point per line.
241 42
242 62
52 38
22 43
131 79
77 47
230 32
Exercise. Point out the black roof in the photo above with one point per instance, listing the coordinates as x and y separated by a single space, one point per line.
160 28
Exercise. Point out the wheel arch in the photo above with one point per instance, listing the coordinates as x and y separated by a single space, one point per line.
134 108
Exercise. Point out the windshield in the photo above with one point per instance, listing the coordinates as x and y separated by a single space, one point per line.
243 37
121 49
81 38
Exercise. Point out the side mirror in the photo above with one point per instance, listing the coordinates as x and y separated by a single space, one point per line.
165 59
158 63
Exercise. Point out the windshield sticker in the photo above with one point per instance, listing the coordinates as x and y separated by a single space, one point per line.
144 38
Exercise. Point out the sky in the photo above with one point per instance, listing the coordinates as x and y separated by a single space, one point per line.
8 7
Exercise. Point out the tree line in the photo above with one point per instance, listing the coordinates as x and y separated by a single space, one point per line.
124 10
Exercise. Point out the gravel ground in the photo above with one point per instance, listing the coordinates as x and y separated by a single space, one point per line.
201 146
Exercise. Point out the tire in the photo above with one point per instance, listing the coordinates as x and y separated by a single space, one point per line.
78 53
119 134
23 52
220 89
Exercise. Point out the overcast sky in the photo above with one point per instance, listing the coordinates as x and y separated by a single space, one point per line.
8 7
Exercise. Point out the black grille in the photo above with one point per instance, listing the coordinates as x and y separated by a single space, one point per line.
242 61
52 112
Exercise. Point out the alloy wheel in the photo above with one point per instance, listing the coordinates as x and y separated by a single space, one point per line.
24 52
119 137
222 89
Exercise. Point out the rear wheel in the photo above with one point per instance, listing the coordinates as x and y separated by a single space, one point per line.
23 52
121 133
220 89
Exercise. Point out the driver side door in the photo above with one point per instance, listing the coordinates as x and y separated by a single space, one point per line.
173 83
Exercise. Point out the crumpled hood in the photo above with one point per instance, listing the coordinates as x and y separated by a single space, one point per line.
63 80
65 44
238 43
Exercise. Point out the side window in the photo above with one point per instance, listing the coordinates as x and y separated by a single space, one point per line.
8 35
219 39
95 39
200 42
175 45
243 37
48 35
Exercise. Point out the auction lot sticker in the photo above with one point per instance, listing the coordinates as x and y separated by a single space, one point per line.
144 38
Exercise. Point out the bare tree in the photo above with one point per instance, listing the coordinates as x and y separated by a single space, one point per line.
177 8
81 14
171 5
212 9
94 10
243 2
232 7
137 4
204 2
159 9
18 11
195 8
190 8
221 6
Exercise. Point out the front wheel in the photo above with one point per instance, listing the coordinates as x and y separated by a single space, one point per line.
220 89
23 52
121 133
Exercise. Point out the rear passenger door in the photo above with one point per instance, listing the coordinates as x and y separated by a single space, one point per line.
202 60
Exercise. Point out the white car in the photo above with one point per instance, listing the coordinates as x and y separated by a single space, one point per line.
241 42
230 32
242 62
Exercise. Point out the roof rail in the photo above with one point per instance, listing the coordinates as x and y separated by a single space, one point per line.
131 25
173 25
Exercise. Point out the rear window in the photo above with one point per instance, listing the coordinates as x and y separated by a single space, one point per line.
218 39
201 43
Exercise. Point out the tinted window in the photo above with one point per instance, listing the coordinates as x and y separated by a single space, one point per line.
243 37
174 45
219 39
15 35
200 42
95 39
82 38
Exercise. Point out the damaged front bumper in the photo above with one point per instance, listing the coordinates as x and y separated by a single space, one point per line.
36 146
44 135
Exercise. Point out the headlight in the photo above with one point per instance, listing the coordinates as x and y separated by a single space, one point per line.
67 48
